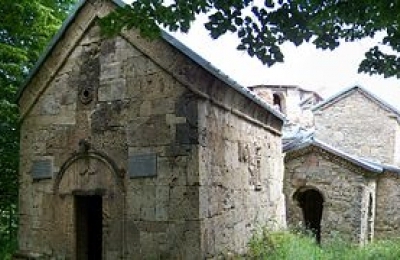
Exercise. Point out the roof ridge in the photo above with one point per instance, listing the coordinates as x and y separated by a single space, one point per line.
347 90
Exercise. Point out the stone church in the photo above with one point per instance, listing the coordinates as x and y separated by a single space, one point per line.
137 149
342 168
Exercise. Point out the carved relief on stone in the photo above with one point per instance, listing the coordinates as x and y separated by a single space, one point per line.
243 152
253 160
255 167
88 170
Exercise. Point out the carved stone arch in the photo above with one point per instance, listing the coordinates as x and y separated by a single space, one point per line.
89 188
87 155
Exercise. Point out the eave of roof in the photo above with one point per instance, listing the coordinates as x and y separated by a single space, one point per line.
346 91
366 164
277 86
167 37
385 167
219 74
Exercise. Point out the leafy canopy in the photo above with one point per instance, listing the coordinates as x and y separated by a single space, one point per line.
26 27
263 26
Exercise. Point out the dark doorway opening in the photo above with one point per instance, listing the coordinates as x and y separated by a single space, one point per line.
311 202
89 227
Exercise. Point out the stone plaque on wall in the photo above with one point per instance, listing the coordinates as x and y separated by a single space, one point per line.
142 165
42 169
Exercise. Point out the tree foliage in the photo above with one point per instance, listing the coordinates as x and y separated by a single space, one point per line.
25 28
263 26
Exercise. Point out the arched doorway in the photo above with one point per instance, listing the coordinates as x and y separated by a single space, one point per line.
311 201
89 196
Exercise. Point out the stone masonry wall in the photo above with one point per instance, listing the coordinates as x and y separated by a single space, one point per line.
357 125
240 180
291 98
387 223
296 114
396 156
136 109
344 188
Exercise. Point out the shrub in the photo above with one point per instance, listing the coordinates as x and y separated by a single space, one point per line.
7 248
281 245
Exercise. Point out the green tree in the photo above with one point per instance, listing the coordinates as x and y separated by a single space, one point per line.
263 26
25 28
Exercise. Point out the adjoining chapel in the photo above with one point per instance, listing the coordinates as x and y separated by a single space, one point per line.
342 167
138 149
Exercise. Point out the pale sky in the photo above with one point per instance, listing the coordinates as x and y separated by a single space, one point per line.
326 72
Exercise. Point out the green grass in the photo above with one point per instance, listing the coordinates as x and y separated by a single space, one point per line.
293 245
285 245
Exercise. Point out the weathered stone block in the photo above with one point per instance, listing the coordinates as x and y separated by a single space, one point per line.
112 90
148 131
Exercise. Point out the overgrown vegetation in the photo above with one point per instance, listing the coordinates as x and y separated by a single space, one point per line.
7 248
26 27
285 245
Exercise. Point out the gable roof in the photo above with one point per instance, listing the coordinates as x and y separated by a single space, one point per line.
308 141
168 38
344 93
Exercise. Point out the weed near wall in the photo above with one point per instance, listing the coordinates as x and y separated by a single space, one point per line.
289 245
